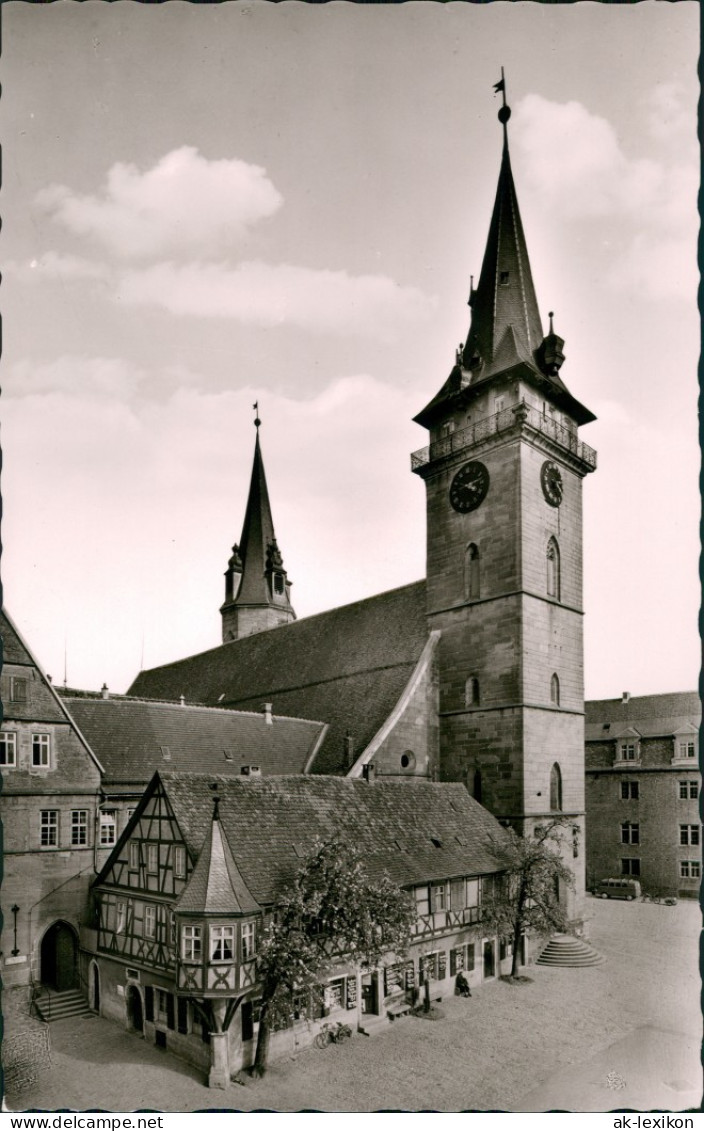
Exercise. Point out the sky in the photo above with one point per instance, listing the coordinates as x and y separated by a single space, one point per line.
207 206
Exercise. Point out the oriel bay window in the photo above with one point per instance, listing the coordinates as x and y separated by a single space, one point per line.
222 944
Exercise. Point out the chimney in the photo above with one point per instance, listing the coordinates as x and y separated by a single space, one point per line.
625 696
266 707
105 694
349 750
182 700
369 772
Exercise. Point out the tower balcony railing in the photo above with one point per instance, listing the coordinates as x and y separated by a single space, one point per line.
523 414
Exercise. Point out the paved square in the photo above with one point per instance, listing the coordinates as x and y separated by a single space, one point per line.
626 1034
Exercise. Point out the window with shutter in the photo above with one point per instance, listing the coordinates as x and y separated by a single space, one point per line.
170 1018
182 1012
149 1002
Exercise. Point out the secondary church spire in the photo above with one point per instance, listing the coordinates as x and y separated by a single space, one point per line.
506 333
257 590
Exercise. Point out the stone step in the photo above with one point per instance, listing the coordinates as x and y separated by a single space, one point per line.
372 1023
566 950
57 1006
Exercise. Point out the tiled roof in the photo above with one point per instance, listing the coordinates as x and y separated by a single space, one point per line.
651 715
216 886
413 831
347 667
133 738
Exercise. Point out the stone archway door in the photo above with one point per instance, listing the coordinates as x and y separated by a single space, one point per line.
59 954
135 1014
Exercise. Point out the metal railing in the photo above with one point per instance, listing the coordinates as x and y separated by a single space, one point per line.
520 414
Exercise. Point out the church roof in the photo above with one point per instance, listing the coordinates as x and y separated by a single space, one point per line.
649 715
348 667
215 886
133 738
414 832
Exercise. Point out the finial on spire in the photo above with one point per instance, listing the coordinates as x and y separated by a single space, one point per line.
551 315
257 421
504 111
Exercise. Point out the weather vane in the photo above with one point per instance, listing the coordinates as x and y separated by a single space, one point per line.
505 111
257 421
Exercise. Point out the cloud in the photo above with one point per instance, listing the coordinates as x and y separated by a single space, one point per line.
664 268
79 377
672 118
53 265
268 295
184 204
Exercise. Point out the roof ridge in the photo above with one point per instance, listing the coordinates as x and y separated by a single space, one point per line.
173 703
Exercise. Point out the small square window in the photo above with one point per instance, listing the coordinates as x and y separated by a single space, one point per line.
629 790
630 867
8 748
49 828
79 827
630 833
41 750
503 278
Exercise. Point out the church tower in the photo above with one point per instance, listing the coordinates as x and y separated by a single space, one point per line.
257 590
503 474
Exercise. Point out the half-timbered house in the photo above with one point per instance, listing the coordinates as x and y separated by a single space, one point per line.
184 897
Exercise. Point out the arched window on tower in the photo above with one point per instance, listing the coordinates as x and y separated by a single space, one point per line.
471 692
555 690
477 786
471 571
553 569
555 788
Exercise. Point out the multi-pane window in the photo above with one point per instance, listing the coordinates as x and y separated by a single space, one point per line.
689 790
630 867
629 790
191 944
134 855
247 939
149 921
108 827
627 751
222 944
630 833
439 895
49 828
79 826
8 748
41 750
163 1006
690 869
153 858
179 860
686 748
689 834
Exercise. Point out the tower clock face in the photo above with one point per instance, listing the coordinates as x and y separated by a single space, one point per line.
551 482
469 487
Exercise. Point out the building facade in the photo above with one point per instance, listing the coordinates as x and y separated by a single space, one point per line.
181 904
642 792
50 809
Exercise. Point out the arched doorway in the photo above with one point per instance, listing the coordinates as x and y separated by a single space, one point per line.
94 987
58 958
135 1014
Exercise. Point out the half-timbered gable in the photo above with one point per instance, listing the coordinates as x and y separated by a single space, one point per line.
139 884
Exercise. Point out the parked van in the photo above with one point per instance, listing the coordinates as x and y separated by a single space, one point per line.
623 888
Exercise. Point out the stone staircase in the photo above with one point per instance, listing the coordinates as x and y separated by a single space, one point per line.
53 1006
566 950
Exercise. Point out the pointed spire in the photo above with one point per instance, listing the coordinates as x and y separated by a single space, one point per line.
216 885
506 329
257 590
505 296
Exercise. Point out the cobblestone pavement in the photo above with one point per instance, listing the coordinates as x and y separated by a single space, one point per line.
625 1034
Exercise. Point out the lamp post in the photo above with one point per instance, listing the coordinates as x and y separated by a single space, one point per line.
14 909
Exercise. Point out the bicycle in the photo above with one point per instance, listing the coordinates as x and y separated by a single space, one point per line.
668 900
332 1035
